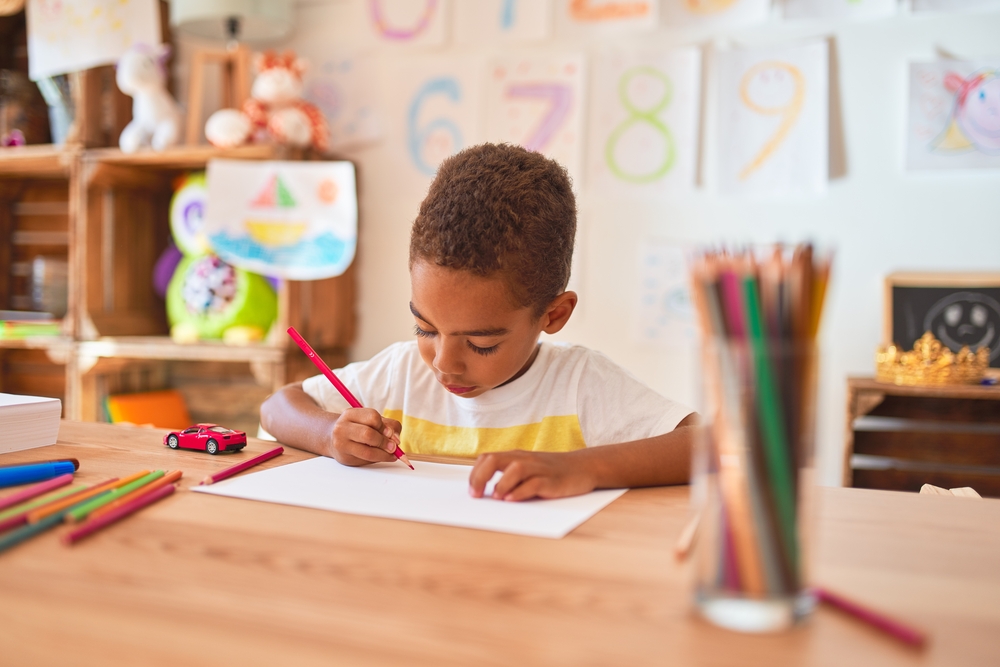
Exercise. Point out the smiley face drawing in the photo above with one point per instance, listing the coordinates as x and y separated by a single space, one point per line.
966 318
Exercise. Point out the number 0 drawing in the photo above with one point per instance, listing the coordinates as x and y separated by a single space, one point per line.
401 34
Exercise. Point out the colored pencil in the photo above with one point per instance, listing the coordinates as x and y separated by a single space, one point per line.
240 467
95 524
81 512
75 462
169 478
18 515
27 531
36 490
35 472
341 387
42 512
898 629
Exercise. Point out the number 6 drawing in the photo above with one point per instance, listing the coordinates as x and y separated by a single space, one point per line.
401 34
418 136
561 98
642 116
789 111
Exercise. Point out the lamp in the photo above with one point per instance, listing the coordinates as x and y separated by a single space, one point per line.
234 21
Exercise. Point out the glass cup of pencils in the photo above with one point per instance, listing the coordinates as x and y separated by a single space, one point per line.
752 478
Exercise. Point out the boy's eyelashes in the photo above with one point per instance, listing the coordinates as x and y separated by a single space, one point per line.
485 351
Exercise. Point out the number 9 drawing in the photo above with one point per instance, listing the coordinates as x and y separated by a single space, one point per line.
789 111
418 136
648 116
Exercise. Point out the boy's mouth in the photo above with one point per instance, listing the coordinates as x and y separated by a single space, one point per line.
455 389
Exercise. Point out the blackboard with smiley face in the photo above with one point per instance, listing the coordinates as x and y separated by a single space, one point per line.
957 316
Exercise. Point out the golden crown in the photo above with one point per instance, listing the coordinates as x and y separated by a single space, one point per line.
931 363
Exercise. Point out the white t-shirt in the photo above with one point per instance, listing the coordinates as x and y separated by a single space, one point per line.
569 398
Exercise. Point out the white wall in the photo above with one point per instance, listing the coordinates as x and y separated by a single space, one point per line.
877 217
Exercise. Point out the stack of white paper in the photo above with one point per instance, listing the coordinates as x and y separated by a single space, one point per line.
432 493
28 421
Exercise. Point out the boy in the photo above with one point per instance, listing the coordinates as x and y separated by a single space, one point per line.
490 259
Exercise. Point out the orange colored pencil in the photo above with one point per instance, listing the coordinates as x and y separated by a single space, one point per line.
69 501
169 478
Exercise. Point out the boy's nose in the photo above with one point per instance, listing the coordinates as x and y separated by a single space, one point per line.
448 358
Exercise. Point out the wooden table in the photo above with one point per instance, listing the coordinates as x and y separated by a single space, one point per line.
205 580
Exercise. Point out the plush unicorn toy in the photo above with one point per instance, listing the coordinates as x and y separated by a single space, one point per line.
156 117
275 110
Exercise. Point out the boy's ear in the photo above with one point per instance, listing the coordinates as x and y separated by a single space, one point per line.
558 312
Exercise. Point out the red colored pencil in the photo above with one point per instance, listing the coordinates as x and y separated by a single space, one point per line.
890 626
341 387
35 490
93 525
240 467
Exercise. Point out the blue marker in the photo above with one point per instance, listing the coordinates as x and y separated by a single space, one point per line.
35 472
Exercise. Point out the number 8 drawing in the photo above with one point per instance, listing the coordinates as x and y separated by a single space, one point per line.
642 116
789 112
418 136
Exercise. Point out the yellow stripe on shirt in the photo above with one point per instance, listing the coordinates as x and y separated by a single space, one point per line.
552 434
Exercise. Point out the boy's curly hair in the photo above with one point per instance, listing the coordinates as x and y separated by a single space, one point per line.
497 209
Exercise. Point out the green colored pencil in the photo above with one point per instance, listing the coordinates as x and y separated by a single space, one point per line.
80 512
41 500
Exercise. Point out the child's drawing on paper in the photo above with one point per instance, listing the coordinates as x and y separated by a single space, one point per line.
714 15
294 220
408 22
342 89
538 103
604 16
954 115
479 22
72 35
665 313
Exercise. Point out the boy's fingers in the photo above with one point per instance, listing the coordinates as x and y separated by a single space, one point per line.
514 473
483 471
531 488
368 454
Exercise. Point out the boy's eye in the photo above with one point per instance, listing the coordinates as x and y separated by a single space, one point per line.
485 351
421 333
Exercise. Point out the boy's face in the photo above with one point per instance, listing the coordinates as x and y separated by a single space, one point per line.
469 332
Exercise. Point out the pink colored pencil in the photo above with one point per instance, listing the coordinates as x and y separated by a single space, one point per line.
35 490
93 525
240 467
890 626
341 387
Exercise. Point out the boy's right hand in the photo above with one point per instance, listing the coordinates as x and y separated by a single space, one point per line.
362 436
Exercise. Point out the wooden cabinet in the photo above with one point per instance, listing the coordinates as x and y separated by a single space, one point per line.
106 214
903 437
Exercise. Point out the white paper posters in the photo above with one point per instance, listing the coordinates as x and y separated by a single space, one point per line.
343 88
408 22
840 9
72 35
294 220
714 15
954 115
479 22
665 312
538 103
956 6
439 112
773 117
575 17
644 124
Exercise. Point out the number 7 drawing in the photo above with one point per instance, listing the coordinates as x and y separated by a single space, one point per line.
560 97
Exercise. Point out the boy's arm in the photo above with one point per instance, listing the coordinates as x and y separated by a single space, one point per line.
664 459
355 437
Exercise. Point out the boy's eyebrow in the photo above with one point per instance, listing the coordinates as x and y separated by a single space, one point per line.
498 331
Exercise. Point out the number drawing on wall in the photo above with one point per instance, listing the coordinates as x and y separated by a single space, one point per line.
588 10
481 22
716 14
402 33
708 6
560 100
507 14
439 138
764 89
648 116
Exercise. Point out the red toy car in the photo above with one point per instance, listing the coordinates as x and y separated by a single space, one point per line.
208 438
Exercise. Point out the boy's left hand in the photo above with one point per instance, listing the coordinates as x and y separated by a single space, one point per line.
530 475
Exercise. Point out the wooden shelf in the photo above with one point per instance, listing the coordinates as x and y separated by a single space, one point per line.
55 343
40 161
179 157
162 347
988 392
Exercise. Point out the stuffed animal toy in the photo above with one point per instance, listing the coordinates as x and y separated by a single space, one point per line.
275 110
156 117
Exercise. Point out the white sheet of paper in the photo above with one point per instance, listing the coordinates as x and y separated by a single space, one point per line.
479 22
773 120
665 312
840 9
954 6
438 110
294 220
644 123
605 17
954 115
432 493
74 35
714 15
407 23
538 103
